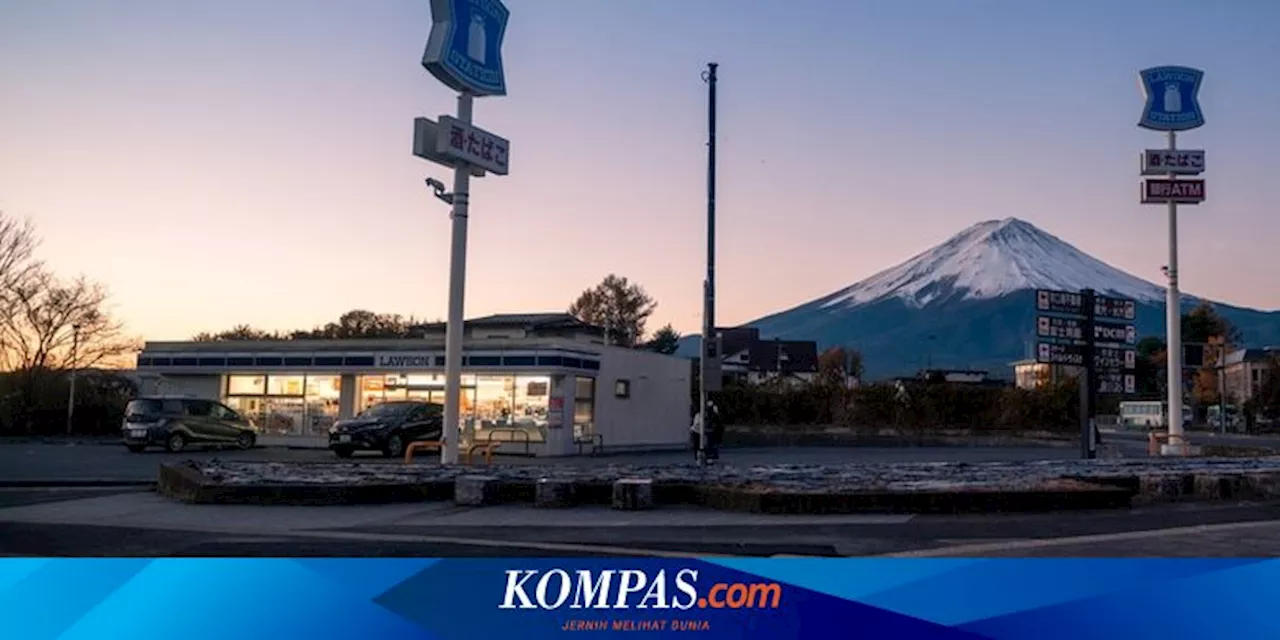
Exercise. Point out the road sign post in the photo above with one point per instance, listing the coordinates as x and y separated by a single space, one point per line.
1087 440
1172 105
1094 334
464 52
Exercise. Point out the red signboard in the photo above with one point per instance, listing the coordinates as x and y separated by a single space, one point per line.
1160 191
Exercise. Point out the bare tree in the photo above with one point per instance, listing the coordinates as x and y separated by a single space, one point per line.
47 317
17 266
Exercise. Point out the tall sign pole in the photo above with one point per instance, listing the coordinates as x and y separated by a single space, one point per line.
464 51
1172 105
709 374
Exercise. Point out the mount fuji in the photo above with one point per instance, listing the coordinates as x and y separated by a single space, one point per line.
968 303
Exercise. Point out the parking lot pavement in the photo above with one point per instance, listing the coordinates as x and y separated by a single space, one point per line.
32 462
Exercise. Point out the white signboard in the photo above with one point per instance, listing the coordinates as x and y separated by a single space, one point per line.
472 145
425 133
1183 162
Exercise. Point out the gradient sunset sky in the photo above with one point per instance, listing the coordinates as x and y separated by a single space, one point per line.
249 161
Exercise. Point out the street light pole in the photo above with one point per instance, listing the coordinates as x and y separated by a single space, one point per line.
71 397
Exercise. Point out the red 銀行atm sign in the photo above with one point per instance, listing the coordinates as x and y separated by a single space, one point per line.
1164 191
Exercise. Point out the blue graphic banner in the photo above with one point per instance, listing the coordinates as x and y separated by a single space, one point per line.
473 599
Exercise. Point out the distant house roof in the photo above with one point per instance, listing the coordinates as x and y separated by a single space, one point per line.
1250 355
528 321
735 340
797 356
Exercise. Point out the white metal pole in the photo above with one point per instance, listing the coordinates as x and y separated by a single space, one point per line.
454 330
1174 320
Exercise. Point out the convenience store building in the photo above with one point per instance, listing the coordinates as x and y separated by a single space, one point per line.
544 384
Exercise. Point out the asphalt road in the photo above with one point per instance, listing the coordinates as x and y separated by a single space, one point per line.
73 522
29 462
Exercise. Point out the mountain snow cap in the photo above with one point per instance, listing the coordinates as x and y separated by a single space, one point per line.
992 259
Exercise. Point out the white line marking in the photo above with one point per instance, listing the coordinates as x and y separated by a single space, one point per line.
978 549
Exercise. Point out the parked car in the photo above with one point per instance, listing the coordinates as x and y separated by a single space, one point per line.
388 427
176 422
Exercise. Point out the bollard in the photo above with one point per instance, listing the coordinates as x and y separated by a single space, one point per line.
633 494
553 493
475 490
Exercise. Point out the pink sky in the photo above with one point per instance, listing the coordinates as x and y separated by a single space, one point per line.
235 163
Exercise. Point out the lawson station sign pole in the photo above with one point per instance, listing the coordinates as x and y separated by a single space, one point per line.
464 51
1172 105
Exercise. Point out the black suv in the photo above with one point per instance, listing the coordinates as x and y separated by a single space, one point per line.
174 422
388 427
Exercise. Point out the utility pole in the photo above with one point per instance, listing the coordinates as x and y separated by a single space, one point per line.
71 395
709 380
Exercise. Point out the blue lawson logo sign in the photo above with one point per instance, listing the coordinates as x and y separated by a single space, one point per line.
1173 102
464 50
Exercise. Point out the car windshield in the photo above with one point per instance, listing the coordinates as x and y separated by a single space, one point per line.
142 408
386 410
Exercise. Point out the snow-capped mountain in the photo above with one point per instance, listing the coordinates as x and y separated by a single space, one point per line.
969 303
993 259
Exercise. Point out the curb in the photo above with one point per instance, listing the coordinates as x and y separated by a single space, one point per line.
182 483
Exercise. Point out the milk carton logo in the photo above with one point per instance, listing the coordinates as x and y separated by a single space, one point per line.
1172 99
476 39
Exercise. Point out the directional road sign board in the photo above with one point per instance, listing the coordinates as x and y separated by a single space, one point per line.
1069 303
1104 358
1183 162
1060 328
1166 190
1106 332
1072 329
1112 359
1053 353
1117 383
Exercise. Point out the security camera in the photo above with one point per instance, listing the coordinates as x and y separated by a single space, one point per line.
438 188
1164 269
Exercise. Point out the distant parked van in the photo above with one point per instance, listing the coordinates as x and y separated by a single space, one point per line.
1149 414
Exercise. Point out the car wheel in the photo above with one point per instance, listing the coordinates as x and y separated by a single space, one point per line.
395 446
176 443
244 441
342 452
137 448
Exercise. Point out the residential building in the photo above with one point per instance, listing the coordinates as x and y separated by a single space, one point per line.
746 357
1243 371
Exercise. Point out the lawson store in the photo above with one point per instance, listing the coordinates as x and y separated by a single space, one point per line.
544 384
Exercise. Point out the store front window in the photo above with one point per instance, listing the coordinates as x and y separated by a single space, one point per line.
584 408
286 404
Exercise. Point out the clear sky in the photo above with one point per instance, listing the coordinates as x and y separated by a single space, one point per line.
245 161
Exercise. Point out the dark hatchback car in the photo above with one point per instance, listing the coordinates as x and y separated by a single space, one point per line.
177 422
388 427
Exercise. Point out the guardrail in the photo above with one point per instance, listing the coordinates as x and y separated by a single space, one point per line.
524 432
425 445
488 449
